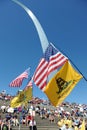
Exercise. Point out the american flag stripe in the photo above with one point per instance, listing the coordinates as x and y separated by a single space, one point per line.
56 62
40 69
28 85
56 58
41 74
55 67
51 61
41 84
18 81
25 75
42 79
42 65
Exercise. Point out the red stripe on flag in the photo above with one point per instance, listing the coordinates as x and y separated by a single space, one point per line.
40 76
18 81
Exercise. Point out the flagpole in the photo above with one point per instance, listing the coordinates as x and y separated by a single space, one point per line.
28 69
32 96
32 109
42 36
31 80
71 62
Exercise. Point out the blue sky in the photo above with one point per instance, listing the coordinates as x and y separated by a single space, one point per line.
65 25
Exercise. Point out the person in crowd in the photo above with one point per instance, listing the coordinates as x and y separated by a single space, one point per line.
32 124
28 119
16 121
51 118
23 120
12 120
66 127
6 126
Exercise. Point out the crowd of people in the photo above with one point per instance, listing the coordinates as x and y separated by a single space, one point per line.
66 116
20 116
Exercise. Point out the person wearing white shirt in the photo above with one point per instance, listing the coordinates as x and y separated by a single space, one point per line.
66 127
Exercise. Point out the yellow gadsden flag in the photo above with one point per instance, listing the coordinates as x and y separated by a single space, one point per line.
83 125
22 98
60 86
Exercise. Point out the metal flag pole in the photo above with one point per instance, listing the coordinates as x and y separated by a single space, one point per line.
41 33
71 62
30 81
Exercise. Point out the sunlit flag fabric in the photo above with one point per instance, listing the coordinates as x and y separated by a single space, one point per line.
83 125
23 97
51 61
60 86
18 81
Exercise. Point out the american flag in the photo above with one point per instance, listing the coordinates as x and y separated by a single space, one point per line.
18 81
52 60
29 84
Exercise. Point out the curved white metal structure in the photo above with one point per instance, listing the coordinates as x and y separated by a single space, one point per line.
41 33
